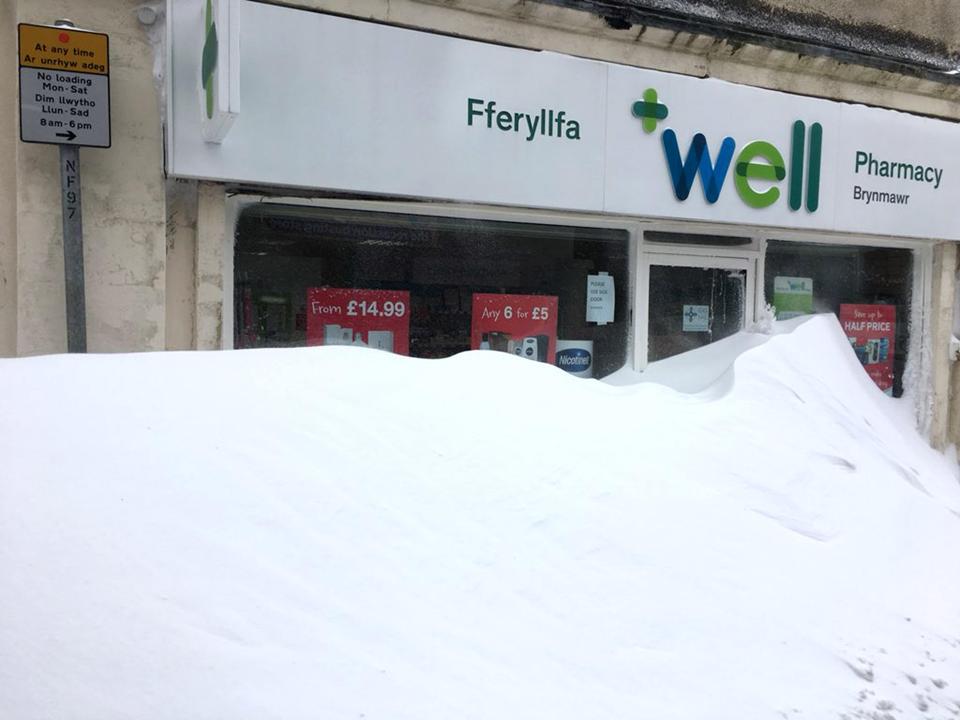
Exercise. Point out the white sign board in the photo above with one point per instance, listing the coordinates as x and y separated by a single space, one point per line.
347 105
600 298
335 103
896 174
685 165
64 86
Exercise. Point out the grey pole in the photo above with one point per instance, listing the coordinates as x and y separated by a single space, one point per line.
73 248
72 241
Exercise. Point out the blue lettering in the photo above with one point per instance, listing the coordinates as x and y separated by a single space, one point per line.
698 159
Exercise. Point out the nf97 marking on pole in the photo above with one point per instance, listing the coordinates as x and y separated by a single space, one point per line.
64 86
74 286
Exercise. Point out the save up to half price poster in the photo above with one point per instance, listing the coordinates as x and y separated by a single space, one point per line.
870 330
349 316
525 325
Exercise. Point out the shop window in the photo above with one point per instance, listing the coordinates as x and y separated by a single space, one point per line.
868 288
431 287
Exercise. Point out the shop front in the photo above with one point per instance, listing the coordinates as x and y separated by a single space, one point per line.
428 195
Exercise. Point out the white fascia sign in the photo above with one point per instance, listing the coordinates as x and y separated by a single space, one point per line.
361 107
219 72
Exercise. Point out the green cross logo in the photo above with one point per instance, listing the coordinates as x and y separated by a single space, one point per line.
209 58
649 110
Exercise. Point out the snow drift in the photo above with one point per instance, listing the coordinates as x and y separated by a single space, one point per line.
342 533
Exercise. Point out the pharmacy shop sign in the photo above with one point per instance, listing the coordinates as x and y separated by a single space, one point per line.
334 103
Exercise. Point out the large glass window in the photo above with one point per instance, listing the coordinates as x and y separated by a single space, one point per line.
868 288
431 286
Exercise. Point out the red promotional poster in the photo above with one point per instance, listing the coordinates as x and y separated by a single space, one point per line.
870 330
370 318
525 325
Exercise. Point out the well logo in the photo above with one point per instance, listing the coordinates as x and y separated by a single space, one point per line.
759 161
649 110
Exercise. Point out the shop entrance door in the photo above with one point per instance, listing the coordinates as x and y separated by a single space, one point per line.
693 301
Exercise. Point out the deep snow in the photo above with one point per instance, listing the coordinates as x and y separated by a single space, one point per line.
343 533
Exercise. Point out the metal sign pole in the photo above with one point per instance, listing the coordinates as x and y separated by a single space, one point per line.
73 248
65 101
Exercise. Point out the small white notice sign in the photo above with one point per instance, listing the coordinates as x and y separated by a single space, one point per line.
696 318
600 298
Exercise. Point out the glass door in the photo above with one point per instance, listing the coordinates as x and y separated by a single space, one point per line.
693 301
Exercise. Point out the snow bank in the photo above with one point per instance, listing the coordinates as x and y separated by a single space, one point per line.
705 369
342 533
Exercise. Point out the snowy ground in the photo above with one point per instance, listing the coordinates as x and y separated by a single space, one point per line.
342 533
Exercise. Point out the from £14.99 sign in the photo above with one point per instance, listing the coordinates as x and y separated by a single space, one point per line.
758 160
352 316
64 86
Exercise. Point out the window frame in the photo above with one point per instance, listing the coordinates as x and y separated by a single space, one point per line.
719 262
